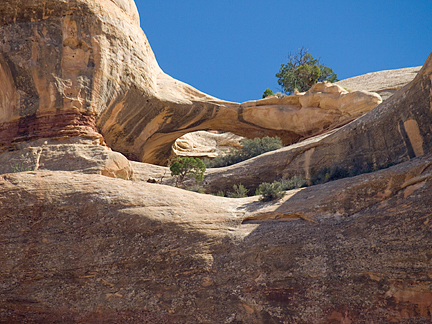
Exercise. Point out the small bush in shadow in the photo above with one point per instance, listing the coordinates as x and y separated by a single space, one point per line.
293 183
239 192
270 191
196 188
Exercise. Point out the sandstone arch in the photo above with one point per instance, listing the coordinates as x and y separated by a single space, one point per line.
89 71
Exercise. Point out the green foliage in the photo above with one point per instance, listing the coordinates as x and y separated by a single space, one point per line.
335 173
293 183
267 92
196 188
250 148
302 72
220 193
17 167
187 167
271 191
239 192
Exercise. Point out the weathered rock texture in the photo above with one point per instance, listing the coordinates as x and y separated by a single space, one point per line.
397 130
86 248
81 156
323 107
84 68
385 83
90 249
206 144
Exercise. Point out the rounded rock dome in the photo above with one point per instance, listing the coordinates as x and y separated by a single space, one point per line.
130 7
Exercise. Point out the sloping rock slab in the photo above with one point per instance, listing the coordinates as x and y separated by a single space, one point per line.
91 249
385 83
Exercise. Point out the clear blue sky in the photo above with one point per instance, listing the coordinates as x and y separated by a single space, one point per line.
232 49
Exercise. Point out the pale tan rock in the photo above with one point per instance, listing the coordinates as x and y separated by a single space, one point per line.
322 106
206 144
86 248
385 83
396 130
79 156
88 71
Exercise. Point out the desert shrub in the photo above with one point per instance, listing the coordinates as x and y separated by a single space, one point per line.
335 173
250 148
190 167
19 167
220 193
239 192
271 191
268 92
196 188
293 183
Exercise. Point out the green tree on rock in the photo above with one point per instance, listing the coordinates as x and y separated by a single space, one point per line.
302 72
183 167
268 92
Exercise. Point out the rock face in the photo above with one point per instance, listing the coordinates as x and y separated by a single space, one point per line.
85 68
80 156
80 247
90 249
397 130
385 83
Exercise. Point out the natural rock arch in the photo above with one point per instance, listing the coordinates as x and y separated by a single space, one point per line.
87 69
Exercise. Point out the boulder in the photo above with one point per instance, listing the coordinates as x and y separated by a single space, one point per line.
206 144
75 155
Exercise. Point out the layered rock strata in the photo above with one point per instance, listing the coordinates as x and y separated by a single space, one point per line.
85 68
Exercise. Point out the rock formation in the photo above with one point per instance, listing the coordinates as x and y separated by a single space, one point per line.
79 247
206 144
322 107
91 249
385 83
85 68
76 155
397 130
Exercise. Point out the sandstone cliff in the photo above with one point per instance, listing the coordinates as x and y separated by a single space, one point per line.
76 246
